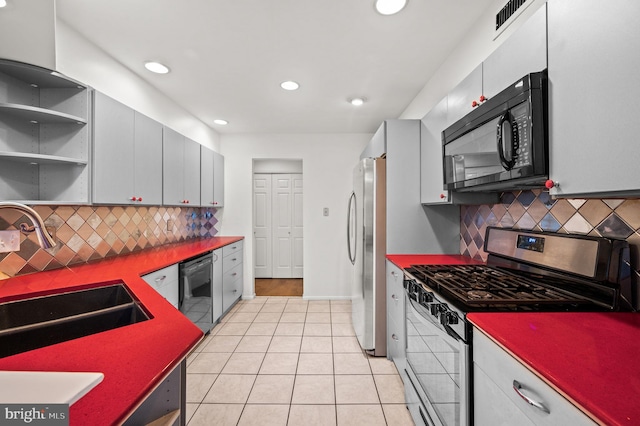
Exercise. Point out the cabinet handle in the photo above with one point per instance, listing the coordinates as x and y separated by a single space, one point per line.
235 291
518 388
394 273
394 297
394 337
162 278
234 259
139 199
234 274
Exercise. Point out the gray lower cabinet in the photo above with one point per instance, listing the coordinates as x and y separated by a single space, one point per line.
127 165
593 97
181 169
165 282
498 377
396 334
217 285
232 282
166 404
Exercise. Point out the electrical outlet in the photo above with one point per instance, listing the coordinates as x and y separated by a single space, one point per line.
9 241
169 225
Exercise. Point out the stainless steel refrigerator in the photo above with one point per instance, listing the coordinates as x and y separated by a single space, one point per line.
366 240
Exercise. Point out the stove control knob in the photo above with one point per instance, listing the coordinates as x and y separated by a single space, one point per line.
436 308
426 297
448 318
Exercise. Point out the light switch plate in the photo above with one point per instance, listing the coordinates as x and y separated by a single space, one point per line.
9 241
325 211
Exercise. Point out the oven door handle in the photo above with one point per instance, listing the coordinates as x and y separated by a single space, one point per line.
501 135
540 406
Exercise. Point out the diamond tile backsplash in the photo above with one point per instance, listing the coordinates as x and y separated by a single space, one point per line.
86 233
536 210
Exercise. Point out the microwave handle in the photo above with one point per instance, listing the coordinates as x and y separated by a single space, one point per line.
506 163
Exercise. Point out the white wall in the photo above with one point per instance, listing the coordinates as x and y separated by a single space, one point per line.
476 46
83 61
327 161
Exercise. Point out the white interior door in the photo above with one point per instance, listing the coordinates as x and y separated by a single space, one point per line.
282 225
262 225
277 225
296 227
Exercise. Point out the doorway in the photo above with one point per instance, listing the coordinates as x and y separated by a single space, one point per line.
278 227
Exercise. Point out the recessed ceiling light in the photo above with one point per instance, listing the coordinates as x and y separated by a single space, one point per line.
221 122
356 101
289 85
156 67
390 7
3 3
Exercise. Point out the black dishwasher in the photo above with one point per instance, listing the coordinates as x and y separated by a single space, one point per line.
195 290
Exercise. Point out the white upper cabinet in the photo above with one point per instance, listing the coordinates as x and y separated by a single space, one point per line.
218 180
127 167
524 52
460 100
212 178
593 120
181 169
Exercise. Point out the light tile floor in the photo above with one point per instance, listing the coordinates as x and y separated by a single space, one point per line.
289 361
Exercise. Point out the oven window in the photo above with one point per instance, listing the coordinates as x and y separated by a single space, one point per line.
436 361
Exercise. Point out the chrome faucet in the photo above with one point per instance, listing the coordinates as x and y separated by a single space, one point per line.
46 241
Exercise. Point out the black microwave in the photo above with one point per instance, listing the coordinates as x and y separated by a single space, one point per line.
503 143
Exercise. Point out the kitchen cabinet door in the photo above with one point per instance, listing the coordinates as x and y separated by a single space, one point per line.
180 169
218 179
524 52
127 166
431 177
165 282
191 172
460 99
217 285
172 167
206 177
396 340
593 97
148 160
113 151
495 400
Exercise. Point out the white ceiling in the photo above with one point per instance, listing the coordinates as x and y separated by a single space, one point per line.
228 57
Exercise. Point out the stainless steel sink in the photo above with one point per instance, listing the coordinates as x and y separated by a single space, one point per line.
42 321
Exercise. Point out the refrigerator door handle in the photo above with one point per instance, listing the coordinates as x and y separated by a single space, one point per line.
352 213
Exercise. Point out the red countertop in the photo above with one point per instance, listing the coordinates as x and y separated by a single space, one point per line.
406 260
590 358
134 358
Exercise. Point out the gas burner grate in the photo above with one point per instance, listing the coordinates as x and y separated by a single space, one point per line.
479 285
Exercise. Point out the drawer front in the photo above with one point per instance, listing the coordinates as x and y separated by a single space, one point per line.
395 293
158 278
232 248
231 288
231 261
503 369
232 274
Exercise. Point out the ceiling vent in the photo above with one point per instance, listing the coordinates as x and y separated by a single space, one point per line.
507 11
